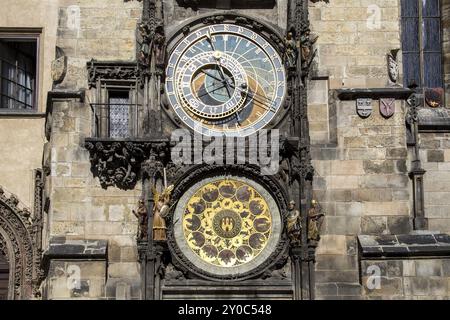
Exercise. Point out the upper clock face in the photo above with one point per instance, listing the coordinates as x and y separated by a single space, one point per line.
225 79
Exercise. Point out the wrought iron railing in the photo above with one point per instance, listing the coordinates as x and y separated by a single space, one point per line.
117 120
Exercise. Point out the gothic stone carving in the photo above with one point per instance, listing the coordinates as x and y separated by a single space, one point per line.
103 70
20 243
392 63
118 163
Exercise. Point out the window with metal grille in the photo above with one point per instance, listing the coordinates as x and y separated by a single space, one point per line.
18 64
421 43
119 114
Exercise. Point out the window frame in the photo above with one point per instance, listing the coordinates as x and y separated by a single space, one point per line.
420 18
106 88
26 34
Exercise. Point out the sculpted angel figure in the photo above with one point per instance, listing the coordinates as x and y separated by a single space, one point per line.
160 212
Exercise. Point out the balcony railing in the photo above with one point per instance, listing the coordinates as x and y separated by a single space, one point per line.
117 121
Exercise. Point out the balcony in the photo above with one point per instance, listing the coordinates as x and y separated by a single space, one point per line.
119 144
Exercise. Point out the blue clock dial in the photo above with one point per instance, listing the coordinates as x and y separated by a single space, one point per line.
225 80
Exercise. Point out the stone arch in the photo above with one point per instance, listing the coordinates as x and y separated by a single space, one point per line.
17 234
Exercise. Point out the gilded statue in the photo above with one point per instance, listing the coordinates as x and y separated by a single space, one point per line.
142 216
315 220
294 226
160 212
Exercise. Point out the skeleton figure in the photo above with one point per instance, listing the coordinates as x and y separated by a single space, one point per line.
142 216
160 212
315 220
294 226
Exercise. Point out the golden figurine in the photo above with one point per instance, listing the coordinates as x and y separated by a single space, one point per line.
294 226
142 216
160 212
315 220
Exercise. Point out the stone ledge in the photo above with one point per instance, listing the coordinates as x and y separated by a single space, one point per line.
62 248
373 93
432 120
409 245
66 94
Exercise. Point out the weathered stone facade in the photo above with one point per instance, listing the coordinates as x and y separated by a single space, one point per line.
363 166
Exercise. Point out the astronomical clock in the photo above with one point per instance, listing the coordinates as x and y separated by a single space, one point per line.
221 229
225 79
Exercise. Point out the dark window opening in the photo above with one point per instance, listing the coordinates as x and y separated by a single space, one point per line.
18 64
119 114
421 43
4 277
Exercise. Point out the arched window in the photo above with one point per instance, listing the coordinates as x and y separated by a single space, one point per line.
422 43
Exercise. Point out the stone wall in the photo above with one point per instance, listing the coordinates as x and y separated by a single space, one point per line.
435 157
80 208
361 177
23 138
363 187
352 46
415 279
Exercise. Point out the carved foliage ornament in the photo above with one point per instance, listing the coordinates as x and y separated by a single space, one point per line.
118 163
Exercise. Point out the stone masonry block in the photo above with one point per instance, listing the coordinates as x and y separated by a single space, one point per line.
332 244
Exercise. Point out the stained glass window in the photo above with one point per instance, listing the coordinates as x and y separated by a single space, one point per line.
421 43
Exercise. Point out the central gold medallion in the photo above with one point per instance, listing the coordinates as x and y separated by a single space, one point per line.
227 223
